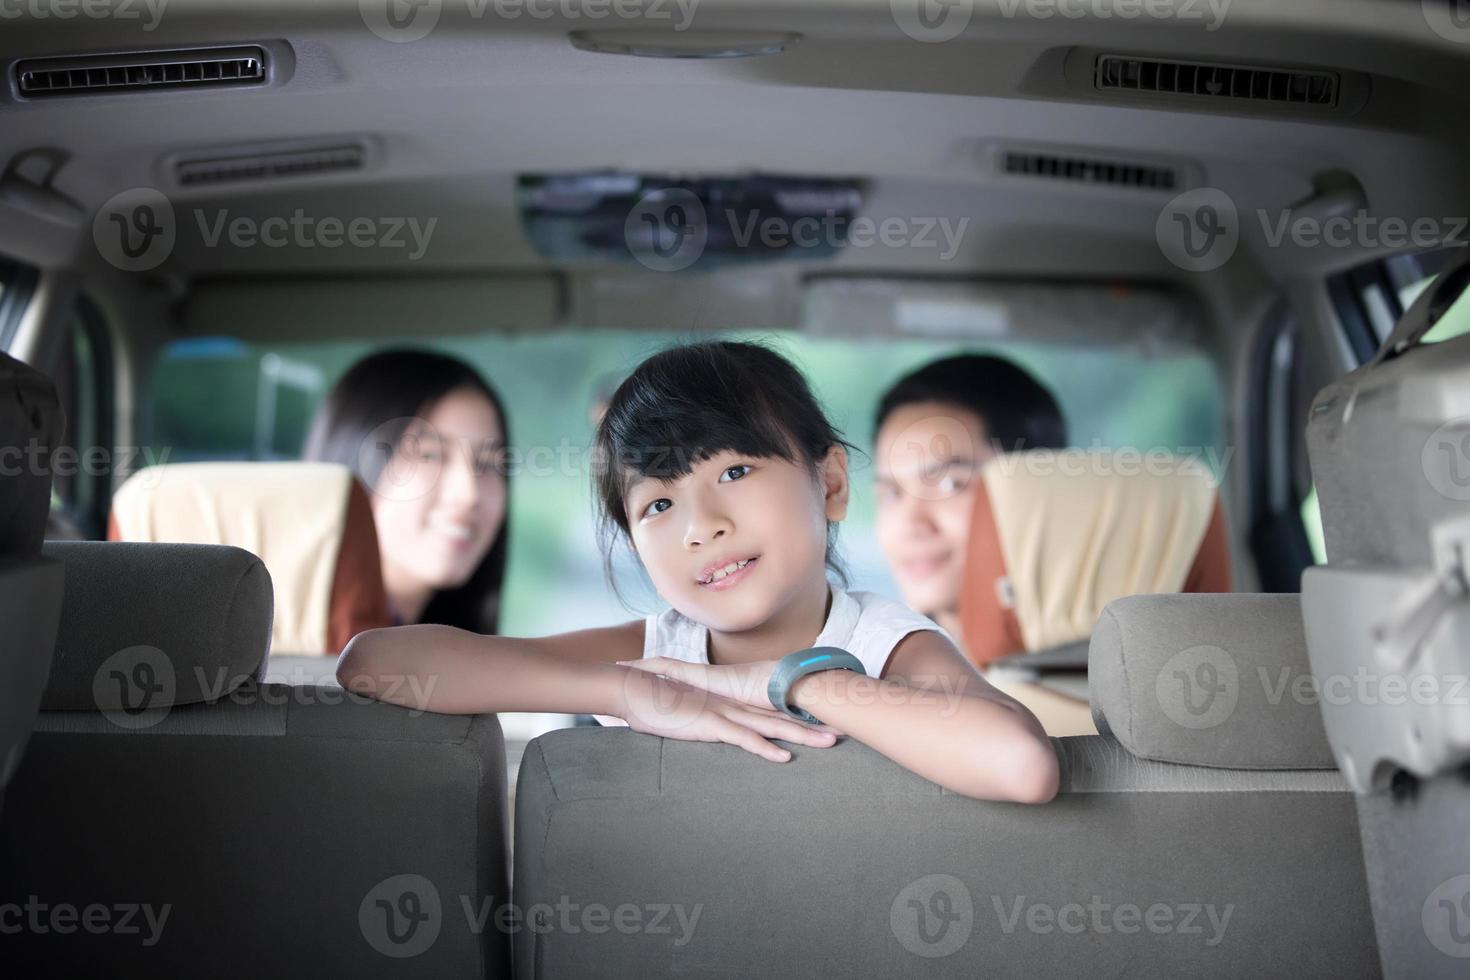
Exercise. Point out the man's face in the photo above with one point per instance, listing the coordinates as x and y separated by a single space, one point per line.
927 457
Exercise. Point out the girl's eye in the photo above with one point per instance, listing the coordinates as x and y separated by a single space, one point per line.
733 473
658 506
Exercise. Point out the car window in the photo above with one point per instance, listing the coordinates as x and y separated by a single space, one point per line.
224 399
86 461
16 283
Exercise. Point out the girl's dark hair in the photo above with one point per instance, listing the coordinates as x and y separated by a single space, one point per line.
1017 410
689 403
377 398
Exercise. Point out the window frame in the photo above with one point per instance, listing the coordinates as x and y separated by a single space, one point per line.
1278 539
19 281
91 417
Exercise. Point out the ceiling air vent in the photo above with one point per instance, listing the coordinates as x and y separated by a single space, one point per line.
1090 171
139 71
220 168
1151 76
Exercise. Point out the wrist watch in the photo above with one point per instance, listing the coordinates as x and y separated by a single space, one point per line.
794 666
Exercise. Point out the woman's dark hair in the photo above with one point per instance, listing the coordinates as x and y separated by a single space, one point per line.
689 403
1017 410
377 398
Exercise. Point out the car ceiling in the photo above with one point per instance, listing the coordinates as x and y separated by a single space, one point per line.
455 117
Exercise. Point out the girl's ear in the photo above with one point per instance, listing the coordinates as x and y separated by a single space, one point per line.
835 485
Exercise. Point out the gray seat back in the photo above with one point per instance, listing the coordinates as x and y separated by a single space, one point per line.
240 829
30 585
637 856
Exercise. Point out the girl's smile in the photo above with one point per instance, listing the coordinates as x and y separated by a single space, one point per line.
727 574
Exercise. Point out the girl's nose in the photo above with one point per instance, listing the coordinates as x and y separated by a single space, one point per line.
706 529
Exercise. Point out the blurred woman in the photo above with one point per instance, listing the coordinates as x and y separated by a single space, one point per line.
428 437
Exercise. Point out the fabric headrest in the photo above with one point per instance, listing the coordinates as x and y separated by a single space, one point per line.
195 618
30 428
311 523
1057 535
1209 680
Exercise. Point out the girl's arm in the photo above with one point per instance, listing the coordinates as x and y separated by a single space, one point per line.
934 713
931 712
452 671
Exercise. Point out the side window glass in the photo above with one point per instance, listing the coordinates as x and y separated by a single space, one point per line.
17 282
82 471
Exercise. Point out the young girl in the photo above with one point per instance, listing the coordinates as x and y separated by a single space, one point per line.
722 472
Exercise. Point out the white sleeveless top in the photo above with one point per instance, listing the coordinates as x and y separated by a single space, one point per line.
865 624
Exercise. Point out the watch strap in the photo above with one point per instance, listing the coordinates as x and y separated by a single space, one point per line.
794 666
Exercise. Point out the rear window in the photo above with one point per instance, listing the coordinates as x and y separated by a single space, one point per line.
224 399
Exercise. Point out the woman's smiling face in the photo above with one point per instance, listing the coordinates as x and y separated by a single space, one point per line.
738 538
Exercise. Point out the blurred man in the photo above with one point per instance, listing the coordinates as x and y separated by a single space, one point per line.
935 428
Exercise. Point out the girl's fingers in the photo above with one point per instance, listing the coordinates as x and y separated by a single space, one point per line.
773 713
736 734
781 727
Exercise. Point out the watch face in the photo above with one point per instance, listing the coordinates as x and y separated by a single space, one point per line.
794 666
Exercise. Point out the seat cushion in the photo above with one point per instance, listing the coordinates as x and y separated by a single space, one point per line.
1056 536
148 626
1209 680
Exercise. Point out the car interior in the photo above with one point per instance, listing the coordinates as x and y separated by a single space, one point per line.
1229 236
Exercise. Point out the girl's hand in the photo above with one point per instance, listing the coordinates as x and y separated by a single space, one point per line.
744 683
663 706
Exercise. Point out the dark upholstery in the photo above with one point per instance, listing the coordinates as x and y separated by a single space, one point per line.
204 609
279 832
30 586
264 823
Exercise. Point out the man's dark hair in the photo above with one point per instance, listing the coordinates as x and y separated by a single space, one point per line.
1017 410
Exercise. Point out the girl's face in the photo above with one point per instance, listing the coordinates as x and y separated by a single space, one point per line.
738 538
440 502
